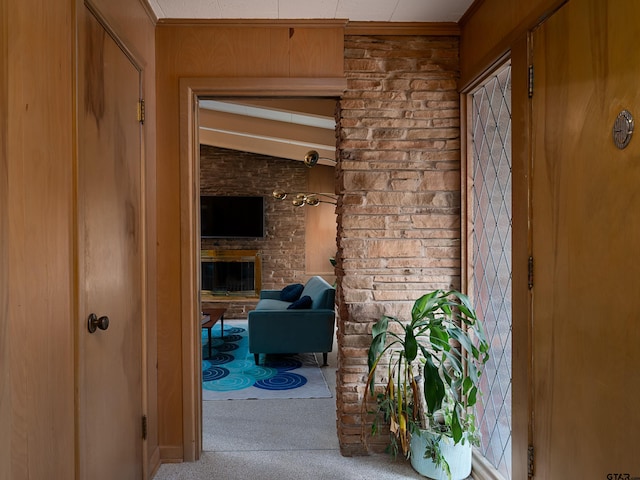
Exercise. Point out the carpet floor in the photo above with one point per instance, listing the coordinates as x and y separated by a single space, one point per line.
230 373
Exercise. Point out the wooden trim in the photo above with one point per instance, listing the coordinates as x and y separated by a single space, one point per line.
470 12
102 19
190 91
190 285
171 454
403 28
7 367
521 375
351 28
270 87
244 22
483 470
154 462
149 11
466 190
474 83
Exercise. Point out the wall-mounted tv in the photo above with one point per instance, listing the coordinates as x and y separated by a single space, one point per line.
231 217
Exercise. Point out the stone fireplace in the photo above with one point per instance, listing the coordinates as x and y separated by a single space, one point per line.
230 273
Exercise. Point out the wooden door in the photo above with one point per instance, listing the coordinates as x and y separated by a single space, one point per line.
110 258
586 244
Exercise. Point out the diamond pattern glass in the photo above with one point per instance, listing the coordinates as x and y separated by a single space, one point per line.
491 224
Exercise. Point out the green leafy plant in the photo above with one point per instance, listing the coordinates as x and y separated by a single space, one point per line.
434 363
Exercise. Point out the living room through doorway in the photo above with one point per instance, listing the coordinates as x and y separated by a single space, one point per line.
250 147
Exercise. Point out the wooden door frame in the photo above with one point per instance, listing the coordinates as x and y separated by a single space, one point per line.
191 89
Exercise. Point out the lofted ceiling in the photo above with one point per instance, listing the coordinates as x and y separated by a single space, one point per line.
283 128
289 128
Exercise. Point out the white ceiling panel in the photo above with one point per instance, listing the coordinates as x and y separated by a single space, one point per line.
376 11
187 8
354 10
423 10
248 8
301 9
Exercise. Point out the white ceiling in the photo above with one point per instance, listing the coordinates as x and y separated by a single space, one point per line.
353 10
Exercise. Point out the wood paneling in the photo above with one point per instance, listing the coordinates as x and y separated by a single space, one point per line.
490 28
39 334
521 249
585 243
313 52
5 379
218 50
38 292
221 52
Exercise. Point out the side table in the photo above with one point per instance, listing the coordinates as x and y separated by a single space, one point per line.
210 317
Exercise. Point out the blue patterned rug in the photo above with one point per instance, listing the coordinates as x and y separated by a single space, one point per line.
231 372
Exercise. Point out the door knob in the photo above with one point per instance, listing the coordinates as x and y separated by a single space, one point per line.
93 322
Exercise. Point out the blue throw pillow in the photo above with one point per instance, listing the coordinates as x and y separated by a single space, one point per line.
291 293
302 302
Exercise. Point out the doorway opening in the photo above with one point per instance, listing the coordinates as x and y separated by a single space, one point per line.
192 91
249 148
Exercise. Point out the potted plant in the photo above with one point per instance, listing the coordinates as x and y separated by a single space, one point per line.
433 373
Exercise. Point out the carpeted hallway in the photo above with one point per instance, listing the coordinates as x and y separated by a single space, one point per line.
293 439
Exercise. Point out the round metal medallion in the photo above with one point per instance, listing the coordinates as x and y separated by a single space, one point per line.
623 129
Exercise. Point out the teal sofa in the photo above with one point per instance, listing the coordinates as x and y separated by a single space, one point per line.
276 328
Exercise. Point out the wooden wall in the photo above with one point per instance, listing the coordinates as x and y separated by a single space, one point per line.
490 28
215 49
5 379
37 339
37 239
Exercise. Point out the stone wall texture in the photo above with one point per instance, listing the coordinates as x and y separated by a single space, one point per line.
399 212
230 172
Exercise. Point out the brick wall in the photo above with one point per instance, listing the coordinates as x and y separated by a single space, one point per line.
399 176
230 172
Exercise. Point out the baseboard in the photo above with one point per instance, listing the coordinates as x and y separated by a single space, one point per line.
154 463
171 454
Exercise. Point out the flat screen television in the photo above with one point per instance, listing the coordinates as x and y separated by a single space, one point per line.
231 217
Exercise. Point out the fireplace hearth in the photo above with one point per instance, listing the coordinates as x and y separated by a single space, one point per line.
226 273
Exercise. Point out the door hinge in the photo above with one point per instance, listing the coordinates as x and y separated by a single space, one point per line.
530 82
530 459
141 111
530 274
144 427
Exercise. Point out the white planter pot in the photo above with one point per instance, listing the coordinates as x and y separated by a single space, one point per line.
457 456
